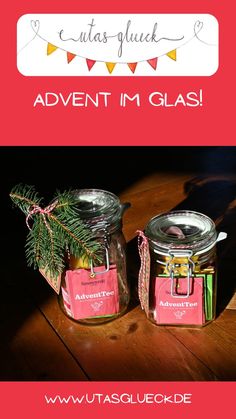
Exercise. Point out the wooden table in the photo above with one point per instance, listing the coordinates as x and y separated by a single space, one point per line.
38 342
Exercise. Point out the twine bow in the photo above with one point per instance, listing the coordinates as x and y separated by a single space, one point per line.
36 209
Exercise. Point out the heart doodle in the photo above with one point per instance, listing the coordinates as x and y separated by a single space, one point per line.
35 25
198 27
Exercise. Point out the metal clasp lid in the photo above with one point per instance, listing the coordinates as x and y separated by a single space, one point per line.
171 267
107 262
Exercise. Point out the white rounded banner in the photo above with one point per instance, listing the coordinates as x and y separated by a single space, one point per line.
117 45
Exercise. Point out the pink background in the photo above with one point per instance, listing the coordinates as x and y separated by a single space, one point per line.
212 124
207 125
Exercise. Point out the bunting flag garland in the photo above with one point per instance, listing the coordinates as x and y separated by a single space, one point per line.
70 57
132 66
110 66
51 48
172 54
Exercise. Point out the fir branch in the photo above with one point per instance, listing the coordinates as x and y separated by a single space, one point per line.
38 240
36 243
65 199
55 230
25 196
78 238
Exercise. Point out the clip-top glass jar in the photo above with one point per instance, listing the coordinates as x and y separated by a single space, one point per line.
98 294
177 280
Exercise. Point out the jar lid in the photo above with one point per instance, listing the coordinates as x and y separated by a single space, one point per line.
188 230
95 202
100 209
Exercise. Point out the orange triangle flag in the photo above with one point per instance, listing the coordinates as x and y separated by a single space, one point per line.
70 56
90 63
51 48
153 63
110 67
132 66
172 54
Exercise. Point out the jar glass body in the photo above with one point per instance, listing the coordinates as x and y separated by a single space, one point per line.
201 306
183 269
100 293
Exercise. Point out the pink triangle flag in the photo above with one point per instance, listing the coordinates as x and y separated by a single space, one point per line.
90 63
153 63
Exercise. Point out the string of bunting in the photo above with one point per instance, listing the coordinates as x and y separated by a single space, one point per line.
110 65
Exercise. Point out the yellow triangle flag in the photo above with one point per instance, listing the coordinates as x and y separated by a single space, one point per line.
51 48
172 54
110 67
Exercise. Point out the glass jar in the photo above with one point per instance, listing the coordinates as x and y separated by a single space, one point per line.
98 294
177 280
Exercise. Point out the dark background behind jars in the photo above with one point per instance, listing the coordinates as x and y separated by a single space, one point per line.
111 168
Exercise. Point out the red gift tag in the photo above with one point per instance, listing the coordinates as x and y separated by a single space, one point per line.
92 296
170 309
